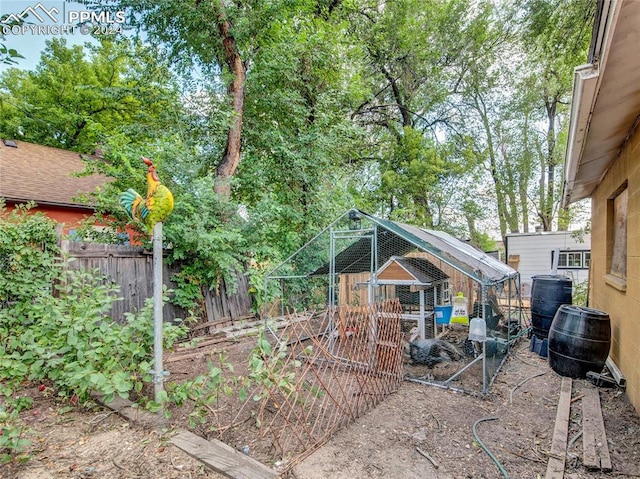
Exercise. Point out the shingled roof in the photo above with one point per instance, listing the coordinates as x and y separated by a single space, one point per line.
43 174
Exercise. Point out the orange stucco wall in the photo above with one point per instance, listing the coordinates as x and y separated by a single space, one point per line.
69 218
622 305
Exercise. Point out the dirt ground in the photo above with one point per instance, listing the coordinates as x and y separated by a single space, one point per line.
439 422
390 441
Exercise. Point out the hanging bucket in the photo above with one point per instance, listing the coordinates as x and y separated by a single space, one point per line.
579 341
443 313
548 293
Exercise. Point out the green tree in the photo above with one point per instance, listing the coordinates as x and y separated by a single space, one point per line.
410 53
28 253
276 134
299 140
517 77
77 97
555 38
7 55
424 111
480 98
219 38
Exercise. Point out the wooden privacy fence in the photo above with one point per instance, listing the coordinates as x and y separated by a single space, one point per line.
131 268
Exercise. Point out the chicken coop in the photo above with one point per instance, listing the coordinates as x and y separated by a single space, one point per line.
444 287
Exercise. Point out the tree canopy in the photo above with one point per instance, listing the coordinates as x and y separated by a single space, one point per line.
449 114
78 97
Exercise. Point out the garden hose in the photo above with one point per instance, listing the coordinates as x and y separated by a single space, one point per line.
484 448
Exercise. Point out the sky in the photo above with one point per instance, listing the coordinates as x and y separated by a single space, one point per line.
46 19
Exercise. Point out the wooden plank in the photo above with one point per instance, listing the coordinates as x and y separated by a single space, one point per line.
125 408
214 454
209 324
220 323
616 373
221 457
246 326
594 437
555 466
107 254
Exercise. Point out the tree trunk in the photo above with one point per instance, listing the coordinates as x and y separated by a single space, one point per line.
523 184
493 167
235 90
76 134
524 206
511 208
548 205
471 225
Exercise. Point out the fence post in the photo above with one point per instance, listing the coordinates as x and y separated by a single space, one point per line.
158 369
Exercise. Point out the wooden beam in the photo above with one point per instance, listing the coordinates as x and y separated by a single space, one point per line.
196 354
130 412
221 457
216 455
555 466
594 437
616 373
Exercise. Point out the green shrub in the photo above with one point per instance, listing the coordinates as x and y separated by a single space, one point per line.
54 326
69 339
29 256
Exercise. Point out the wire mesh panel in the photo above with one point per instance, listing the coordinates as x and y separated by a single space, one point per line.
321 378
454 359
360 260
309 279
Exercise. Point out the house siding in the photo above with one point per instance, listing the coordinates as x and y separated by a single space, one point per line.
623 307
534 250
69 218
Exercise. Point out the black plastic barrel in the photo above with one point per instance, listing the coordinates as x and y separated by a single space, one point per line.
548 293
579 341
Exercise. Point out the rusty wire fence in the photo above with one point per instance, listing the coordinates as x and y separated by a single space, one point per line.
323 373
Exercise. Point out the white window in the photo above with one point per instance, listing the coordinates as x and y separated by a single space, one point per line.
569 259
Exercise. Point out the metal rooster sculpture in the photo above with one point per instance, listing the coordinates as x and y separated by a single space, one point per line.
155 208
151 213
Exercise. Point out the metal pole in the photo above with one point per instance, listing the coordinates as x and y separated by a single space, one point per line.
421 321
458 373
376 265
484 343
332 288
332 271
484 367
158 369
264 303
509 291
